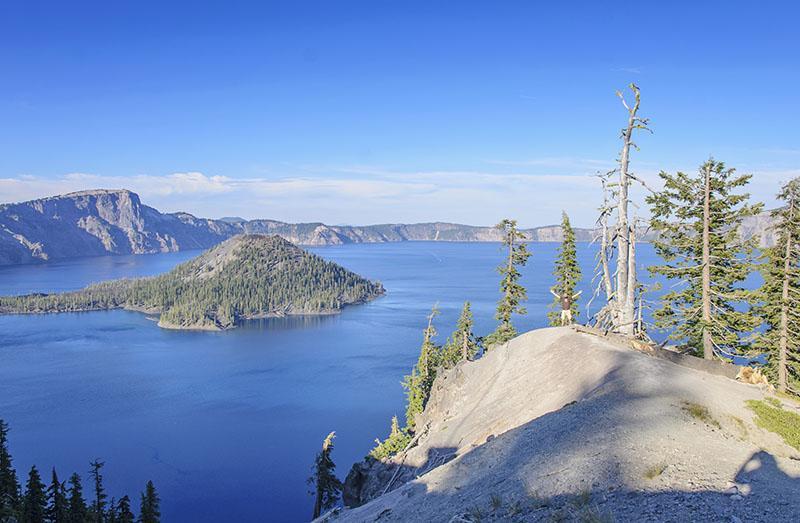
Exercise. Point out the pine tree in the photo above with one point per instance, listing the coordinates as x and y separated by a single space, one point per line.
697 219
57 505
462 345
567 272
98 509
111 513
397 441
326 485
149 511
779 296
512 292
77 505
34 503
123 511
418 384
9 486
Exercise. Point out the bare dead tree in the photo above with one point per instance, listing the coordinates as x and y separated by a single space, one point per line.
618 240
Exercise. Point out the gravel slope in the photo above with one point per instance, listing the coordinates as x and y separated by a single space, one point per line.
559 425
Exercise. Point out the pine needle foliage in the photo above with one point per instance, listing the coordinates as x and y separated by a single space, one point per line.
462 345
9 485
567 272
419 383
76 503
150 506
327 486
34 503
513 293
57 505
779 296
683 223
98 508
396 442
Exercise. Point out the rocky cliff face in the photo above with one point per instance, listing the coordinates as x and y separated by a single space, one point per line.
98 222
525 434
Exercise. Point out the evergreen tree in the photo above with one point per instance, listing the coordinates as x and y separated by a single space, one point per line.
326 485
418 384
9 486
123 511
34 503
397 441
462 344
149 511
512 292
77 505
779 304
98 509
57 505
567 272
697 219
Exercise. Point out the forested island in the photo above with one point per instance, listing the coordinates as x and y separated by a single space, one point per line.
246 277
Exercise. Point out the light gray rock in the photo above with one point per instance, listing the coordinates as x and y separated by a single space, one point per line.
573 427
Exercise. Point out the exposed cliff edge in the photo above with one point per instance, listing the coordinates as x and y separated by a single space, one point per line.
245 277
100 222
560 425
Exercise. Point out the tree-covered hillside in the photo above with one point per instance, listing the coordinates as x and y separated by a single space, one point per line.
245 277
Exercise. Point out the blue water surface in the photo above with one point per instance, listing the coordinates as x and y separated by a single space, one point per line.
227 424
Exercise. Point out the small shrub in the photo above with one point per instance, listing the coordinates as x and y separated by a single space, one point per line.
700 413
782 422
593 514
655 471
582 500
475 514
742 427
514 509
536 501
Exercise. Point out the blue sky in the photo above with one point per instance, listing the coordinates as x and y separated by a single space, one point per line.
378 111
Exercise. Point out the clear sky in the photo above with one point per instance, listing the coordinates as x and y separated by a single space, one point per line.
384 111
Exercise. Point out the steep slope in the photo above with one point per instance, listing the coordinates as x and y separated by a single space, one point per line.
97 222
247 276
567 426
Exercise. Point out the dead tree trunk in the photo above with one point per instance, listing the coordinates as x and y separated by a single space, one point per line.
708 346
604 245
784 336
624 302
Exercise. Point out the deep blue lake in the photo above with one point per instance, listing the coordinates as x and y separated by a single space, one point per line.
227 424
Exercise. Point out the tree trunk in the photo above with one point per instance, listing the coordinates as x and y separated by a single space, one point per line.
604 249
784 336
708 347
507 319
465 346
630 298
318 503
624 307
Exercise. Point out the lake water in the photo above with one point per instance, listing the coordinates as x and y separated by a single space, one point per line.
227 424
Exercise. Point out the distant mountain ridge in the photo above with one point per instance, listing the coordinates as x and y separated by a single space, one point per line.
102 221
